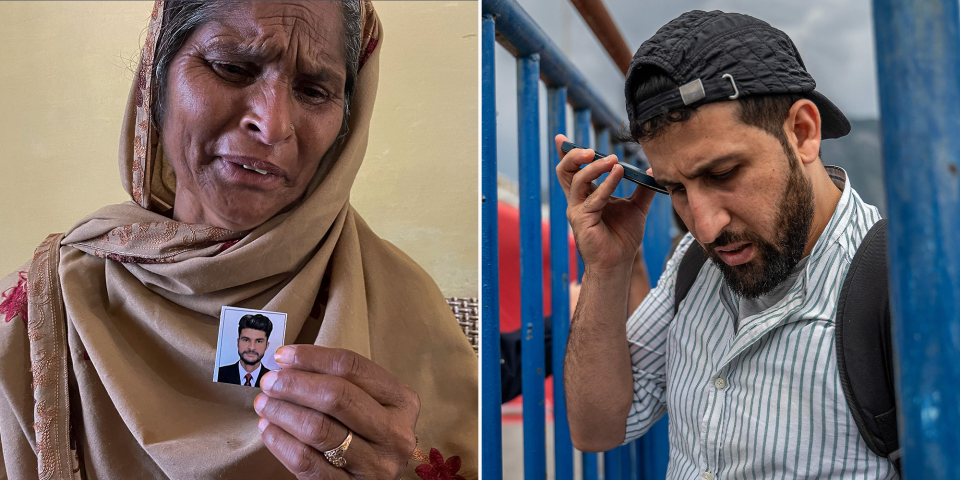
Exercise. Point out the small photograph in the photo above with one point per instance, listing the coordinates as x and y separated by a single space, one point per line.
248 339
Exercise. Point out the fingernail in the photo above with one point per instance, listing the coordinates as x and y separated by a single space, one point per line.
284 355
259 402
268 380
262 424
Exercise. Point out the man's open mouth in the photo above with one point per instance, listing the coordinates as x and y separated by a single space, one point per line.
736 254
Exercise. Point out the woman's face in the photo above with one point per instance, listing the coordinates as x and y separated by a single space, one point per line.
255 99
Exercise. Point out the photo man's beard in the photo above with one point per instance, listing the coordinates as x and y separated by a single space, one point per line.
772 262
244 360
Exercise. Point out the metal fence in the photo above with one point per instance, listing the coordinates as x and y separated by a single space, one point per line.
918 56
538 59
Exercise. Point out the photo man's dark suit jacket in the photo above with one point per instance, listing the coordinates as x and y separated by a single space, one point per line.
231 374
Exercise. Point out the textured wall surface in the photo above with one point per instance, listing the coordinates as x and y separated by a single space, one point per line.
65 71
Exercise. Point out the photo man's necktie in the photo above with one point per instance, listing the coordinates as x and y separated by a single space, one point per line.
247 377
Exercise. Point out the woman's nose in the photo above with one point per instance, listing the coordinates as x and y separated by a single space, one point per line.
268 117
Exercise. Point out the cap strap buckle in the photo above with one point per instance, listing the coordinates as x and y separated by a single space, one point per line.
736 92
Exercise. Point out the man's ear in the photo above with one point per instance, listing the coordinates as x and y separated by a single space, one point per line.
802 127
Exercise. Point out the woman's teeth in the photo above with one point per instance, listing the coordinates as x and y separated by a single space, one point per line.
261 172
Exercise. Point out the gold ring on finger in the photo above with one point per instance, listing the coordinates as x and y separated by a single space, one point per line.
335 456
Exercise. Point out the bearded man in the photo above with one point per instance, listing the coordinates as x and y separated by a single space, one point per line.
253 338
745 364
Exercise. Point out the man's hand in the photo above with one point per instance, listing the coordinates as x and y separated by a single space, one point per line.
608 230
319 393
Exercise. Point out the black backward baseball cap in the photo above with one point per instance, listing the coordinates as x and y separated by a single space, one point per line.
716 56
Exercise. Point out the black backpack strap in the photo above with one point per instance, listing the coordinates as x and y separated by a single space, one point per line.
864 348
687 272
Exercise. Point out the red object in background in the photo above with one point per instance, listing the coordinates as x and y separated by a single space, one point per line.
508 225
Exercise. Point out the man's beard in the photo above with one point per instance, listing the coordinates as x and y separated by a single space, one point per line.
773 262
244 360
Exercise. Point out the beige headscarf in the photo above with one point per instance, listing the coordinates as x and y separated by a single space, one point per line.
109 373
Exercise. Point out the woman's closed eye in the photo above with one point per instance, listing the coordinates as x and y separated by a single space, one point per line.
312 94
232 72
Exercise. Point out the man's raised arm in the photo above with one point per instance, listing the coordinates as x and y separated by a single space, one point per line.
608 231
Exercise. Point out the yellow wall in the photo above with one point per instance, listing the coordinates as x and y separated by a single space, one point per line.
65 71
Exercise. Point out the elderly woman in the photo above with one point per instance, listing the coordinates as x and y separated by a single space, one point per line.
245 128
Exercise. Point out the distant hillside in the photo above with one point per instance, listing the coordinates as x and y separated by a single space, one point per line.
859 154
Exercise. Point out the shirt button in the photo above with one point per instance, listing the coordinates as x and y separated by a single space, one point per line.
707 476
720 383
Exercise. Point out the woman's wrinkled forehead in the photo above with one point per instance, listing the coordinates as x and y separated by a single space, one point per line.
310 34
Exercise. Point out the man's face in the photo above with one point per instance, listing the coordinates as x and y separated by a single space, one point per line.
741 193
251 345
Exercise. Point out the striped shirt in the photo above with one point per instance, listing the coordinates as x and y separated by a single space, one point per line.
764 401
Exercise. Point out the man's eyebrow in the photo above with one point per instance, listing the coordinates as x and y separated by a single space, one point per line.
703 168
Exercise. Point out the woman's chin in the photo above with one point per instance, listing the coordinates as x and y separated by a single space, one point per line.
239 222
235 219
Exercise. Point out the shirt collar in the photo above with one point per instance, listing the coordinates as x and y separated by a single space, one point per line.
841 214
243 373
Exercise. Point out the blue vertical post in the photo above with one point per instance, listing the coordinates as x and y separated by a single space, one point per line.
603 146
611 465
492 463
581 136
918 62
492 459
591 467
653 451
622 186
531 267
603 140
628 461
559 285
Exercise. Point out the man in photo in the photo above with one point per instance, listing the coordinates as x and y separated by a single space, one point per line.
252 342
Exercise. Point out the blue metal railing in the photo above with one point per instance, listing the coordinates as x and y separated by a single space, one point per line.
918 63
918 56
490 432
539 59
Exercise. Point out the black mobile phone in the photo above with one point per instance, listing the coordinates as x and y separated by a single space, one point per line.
630 172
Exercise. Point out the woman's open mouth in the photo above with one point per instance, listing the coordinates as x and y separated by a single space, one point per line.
251 171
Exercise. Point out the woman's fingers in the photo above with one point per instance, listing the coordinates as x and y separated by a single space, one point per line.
300 459
320 431
352 367
333 396
323 433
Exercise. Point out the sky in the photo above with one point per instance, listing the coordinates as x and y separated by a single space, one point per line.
834 37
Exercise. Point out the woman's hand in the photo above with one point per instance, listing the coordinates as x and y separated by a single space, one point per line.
607 229
308 406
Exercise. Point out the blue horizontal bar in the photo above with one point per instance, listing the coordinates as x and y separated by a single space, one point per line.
520 35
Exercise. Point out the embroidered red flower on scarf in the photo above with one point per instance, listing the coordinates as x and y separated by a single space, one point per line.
437 469
14 300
